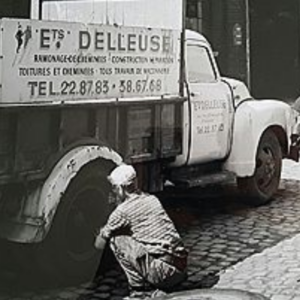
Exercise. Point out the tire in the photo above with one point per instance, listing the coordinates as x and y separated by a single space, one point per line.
260 188
68 254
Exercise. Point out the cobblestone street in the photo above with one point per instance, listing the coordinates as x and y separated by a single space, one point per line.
218 230
274 273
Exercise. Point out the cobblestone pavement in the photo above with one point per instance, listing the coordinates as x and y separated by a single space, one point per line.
274 273
219 232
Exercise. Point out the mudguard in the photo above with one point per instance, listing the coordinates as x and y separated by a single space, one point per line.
252 119
34 221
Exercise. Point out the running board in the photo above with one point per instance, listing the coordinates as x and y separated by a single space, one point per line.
189 181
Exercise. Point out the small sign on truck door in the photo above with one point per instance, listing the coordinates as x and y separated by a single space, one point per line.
47 62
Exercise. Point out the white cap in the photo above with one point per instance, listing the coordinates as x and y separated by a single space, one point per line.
122 175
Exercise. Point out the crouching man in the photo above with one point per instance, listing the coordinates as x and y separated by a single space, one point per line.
142 237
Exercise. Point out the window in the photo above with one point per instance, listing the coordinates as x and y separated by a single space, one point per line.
199 66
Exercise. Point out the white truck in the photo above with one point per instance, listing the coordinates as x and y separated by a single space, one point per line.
124 83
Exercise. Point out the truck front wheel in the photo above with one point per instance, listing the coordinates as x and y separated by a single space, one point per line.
68 251
259 188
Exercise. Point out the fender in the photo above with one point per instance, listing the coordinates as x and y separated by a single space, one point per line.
39 207
252 118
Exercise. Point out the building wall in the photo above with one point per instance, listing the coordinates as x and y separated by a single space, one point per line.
15 9
275 44
236 39
224 24
198 15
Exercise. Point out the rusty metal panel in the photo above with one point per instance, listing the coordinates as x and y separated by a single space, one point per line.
101 123
168 127
140 131
7 136
75 125
1 57
34 141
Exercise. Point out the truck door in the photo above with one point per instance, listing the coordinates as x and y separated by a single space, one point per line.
211 107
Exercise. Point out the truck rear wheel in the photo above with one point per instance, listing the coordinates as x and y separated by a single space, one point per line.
68 252
259 188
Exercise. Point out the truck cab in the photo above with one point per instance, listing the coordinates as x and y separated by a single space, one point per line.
220 117
210 107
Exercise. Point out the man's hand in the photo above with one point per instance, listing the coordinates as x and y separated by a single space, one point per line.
100 242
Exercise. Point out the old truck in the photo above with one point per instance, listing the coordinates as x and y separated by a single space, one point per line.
88 85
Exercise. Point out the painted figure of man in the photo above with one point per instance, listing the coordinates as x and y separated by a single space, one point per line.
142 237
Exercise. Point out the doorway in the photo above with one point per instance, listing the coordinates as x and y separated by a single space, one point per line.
274 48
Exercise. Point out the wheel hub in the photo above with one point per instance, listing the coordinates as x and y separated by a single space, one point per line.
266 167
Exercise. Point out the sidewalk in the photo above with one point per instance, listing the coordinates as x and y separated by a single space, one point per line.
275 272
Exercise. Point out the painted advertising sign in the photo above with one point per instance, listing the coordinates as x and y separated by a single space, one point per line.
58 61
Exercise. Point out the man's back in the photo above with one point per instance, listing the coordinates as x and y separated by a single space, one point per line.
142 236
148 221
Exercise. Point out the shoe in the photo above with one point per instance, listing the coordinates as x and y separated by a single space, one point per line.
158 293
136 295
